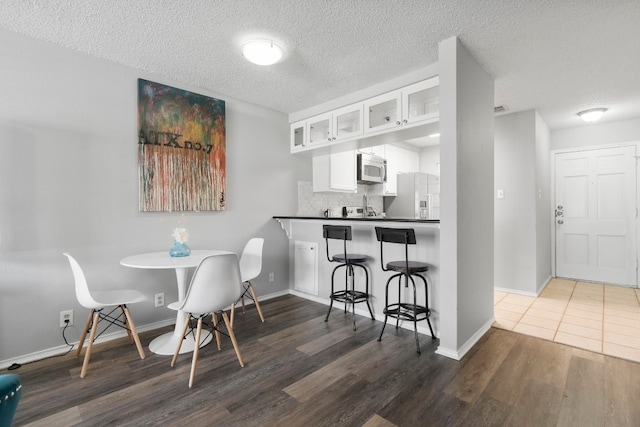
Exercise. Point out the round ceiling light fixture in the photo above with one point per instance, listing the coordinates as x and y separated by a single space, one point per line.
262 52
592 115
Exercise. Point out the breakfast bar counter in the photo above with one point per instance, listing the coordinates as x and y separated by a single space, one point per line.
310 271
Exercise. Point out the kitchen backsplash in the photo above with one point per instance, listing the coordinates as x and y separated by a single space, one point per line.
314 204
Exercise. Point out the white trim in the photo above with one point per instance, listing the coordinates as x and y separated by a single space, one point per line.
525 293
62 349
544 285
462 351
515 291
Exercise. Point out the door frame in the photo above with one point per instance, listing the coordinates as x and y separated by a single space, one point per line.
552 198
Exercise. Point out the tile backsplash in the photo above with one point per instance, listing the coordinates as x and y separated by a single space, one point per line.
314 204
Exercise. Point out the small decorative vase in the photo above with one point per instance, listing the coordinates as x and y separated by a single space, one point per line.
179 249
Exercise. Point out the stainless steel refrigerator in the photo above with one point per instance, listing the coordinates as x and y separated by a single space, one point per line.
418 196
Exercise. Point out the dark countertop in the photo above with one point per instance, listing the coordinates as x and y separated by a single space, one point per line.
372 219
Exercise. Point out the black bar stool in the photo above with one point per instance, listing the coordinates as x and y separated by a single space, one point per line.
406 269
347 296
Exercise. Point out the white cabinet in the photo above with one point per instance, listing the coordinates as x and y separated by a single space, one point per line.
306 267
377 150
299 139
335 172
399 160
415 103
327 128
347 122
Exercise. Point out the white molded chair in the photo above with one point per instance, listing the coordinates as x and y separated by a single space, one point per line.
215 285
250 268
96 302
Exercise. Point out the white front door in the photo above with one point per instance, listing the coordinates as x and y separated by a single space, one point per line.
595 215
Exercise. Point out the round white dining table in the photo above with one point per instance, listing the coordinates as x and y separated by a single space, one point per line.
166 344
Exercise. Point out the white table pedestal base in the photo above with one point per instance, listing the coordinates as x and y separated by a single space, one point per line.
166 344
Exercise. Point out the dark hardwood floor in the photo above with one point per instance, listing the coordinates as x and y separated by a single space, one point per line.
301 371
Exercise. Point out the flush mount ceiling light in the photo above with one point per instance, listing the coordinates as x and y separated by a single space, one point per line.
262 52
592 115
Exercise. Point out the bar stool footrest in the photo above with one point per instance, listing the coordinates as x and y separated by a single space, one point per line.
350 297
404 311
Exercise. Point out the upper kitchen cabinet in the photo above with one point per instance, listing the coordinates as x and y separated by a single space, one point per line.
411 104
327 128
347 122
335 172
299 139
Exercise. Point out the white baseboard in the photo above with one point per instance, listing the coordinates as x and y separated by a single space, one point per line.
516 291
62 349
458 354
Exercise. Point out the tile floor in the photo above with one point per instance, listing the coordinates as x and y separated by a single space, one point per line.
595 317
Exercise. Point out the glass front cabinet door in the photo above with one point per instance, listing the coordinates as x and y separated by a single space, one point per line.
421 101
347 122
382 112
320 129
298 135
411 104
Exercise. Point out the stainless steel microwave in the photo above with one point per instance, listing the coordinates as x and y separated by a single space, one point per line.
371 169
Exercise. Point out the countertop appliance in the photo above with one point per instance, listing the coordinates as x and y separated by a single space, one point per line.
353 212
371 169
418 196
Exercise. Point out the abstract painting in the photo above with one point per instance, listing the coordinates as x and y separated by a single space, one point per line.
181 150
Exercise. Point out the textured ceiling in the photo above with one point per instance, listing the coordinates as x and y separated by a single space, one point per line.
558 56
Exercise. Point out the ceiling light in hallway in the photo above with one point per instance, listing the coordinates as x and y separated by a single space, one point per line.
262 52
592 115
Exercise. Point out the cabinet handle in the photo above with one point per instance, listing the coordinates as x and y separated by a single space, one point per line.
404 121
398 123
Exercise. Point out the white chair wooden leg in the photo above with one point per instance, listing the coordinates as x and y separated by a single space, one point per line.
133 331
196 350
87 355
255 299
233 338
84 333
179 346
126 324
214 317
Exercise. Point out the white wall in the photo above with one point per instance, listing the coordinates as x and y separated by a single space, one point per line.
522 242
466 180
543 205
515 175
595 134
68 182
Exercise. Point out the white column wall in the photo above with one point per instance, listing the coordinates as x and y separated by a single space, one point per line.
467 211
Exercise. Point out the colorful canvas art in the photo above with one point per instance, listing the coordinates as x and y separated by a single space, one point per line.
181 150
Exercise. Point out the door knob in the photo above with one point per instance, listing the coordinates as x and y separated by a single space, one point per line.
560 221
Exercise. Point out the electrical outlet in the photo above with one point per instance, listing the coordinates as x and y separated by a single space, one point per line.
66 318
271 277
159 300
